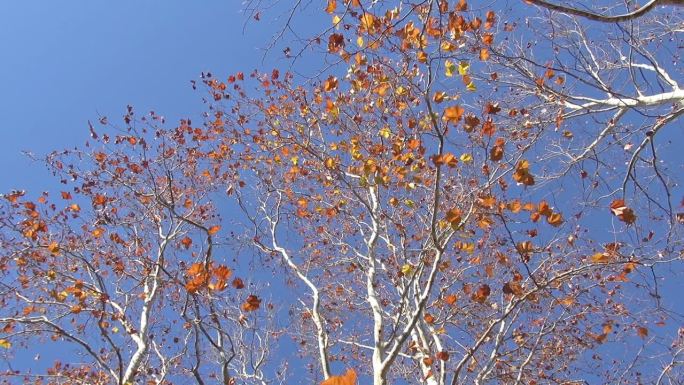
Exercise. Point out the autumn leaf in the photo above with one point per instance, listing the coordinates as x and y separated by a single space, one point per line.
213 230
335 43
252 303
444 356
407 269
429 318
348 378
238 284
450 299
601 258
332 5
525 247
439 96
555 219
514 288
624 213
186 242
470 123
368 22
488 38
642 332
463 68
5 344
330 84
453 114
53 247
522 174
484 54
445 159
481 294
497 152
449 68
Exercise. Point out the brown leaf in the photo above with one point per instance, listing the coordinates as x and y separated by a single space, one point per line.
624 213
481 294
252 303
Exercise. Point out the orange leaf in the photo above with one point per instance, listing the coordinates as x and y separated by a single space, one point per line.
214 229
429 318
330 84
451 299
453 216
332 5
601 258
453 114
186 242
488 128
488 38
53 248
555 219
522 174
222 272
484 54
445 159
444 356
348 378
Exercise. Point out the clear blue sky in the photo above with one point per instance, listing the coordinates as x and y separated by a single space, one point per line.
66 62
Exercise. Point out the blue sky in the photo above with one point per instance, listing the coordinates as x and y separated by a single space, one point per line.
64 63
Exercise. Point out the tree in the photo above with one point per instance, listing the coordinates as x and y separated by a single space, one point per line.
422 211
122 265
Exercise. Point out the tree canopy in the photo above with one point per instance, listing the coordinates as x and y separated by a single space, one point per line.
438 192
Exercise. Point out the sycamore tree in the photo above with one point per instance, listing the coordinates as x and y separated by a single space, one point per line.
442 203
125 269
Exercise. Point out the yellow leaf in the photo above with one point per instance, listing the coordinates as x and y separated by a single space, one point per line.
5 344
54 248
406 269
336 21
471 86
115 329
463 68
385 132
449 68
359 41
600 258
466 158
